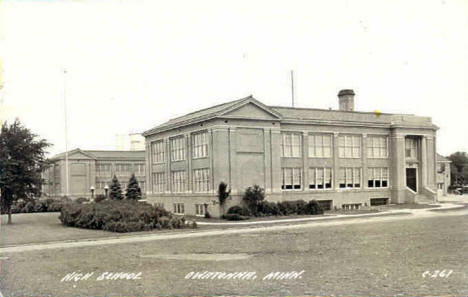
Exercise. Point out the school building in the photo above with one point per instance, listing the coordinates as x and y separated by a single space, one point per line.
342 158
91 169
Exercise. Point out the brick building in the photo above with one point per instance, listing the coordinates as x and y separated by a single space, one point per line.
91 168
342 158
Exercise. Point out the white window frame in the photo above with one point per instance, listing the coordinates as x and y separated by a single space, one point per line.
350 177
291 177
178 181
317 146
411 145
179 208
200 144
318 176
349 146
377 177
377 147
178 148
159 182
158 151
140 168
201 180
200 210
291 145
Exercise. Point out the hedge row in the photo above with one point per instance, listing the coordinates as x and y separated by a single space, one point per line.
267 208
37 205
120 216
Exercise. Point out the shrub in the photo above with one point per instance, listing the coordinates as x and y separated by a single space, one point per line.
313 208
81 200
118 216
234 217
252 197
207 215
269 208
100 198
243 211
223 194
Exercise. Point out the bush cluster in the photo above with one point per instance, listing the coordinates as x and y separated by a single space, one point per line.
267 208
120 216
37 205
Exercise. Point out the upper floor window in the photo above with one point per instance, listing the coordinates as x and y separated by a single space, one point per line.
201 180
179 181
178 148
350 177
349 146
291 178
200 145
123 167
320 178
320 146
103 169
292 145
139 168
159 182
377 147
377 177
158 151
411 148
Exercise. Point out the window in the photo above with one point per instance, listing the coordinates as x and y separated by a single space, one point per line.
178 148
320 146
440 186
103 169
349 146
291 145
139 169
199 209
201 180
377 147
377 177
349 178
101 184
142 185
159 182
179 208
158 151
159 205
178 181
123 168
320 178
411 147
200 145
291 179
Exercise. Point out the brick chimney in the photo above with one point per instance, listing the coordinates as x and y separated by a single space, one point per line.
346 98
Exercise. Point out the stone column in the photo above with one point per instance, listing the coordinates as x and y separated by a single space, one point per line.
364 173
398 172
423 162
336 161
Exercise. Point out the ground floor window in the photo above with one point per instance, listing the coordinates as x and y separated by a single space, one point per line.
350 177
179 208
440 186
377 177
200 209
378 201
320 178
201 180
159 204
291 178
159 182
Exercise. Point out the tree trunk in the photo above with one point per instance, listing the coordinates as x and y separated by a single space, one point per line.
9 215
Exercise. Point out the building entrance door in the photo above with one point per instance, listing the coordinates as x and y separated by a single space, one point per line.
411 179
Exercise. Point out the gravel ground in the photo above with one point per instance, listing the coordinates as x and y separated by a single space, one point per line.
378 259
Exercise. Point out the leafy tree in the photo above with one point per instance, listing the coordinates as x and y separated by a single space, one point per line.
459 164
133 189
252 198
223 195
21 164
115 189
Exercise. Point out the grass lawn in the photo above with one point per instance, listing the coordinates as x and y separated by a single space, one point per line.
376 259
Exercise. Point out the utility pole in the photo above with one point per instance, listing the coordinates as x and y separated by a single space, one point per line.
67 189
292 87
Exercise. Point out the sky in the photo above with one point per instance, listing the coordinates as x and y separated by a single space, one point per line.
132 65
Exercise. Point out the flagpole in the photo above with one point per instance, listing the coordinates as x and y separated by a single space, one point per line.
67 191
292 87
